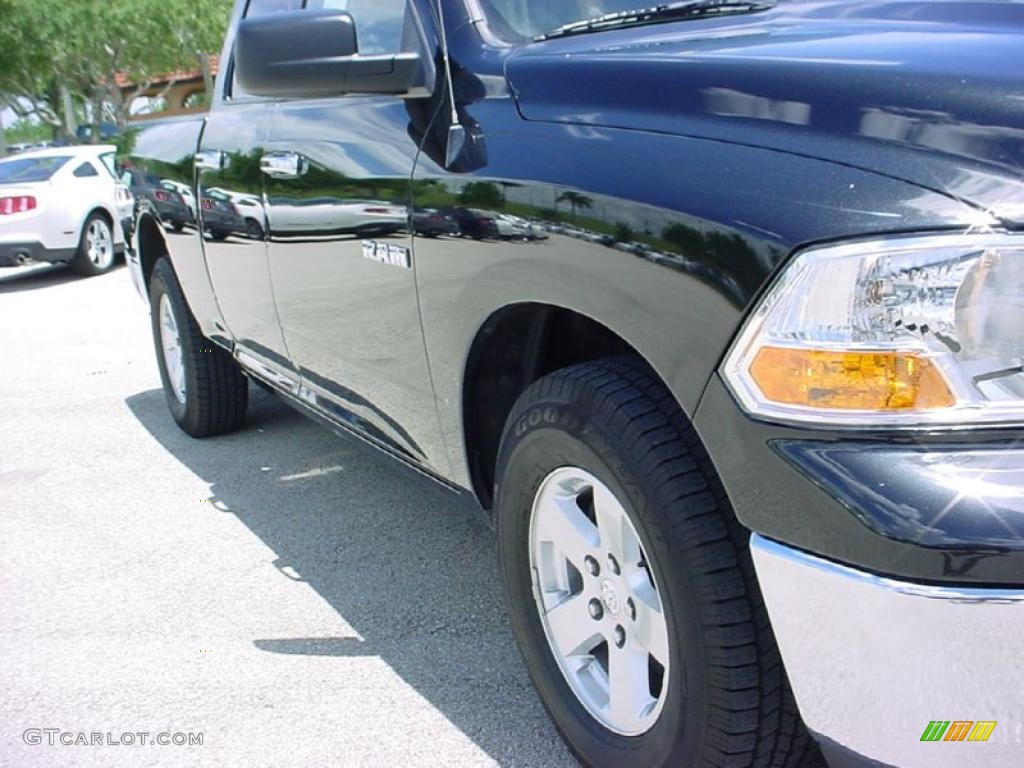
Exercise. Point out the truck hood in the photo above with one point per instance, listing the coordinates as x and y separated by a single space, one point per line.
929 92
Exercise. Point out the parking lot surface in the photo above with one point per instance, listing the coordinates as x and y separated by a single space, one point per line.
296 598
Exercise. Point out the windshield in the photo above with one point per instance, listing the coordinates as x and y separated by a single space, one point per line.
28 169
518 21
522 20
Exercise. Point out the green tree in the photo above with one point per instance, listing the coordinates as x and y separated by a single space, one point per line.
549 214
59 60
575 201
25 87
482 194
689 240
26 130
624 233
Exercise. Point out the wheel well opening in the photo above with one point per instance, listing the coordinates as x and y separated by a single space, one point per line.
102 212
151 246
98 212
515 347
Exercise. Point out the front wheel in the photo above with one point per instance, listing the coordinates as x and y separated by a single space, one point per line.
206 391
95 254
629 582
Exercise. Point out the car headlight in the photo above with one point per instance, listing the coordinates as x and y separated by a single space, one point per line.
908 331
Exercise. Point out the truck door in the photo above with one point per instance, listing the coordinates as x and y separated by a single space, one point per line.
336 179
232 218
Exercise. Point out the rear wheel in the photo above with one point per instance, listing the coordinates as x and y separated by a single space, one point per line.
630 584
95 254
206 391
253 230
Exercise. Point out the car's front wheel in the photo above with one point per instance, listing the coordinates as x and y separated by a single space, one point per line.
206 391
96 253
629 582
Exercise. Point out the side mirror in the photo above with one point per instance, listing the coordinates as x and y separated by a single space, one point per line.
312 54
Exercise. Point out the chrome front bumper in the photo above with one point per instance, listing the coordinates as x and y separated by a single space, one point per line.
872 661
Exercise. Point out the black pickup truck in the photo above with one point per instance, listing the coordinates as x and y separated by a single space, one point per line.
737 370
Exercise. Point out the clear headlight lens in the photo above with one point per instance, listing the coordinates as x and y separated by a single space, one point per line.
905 331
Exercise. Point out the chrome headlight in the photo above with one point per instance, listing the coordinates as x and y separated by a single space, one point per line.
909 331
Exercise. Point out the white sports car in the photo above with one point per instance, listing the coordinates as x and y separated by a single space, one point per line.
63 204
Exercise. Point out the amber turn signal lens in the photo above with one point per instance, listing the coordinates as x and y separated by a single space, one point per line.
870 381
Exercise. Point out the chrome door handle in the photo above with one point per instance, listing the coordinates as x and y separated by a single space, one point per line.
283 165
210 160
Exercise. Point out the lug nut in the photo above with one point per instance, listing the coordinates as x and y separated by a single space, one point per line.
595 608
620 636
631 609
614 564
591 564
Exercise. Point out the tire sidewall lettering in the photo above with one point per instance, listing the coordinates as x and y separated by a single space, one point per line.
542 416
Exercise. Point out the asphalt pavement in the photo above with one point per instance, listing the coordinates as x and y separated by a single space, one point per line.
296 598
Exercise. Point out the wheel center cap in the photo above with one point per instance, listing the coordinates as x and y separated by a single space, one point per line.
610 596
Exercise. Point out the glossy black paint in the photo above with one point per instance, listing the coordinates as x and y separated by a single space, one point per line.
621 191
937 507
237 266
166 149
928 493
928 92
169 205
346 318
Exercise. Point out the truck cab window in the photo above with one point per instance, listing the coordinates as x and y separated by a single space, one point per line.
378 22
267 7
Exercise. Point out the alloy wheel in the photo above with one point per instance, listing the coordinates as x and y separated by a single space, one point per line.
170 342
99 244
598 601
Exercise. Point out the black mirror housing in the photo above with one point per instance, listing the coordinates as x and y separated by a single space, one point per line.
311 54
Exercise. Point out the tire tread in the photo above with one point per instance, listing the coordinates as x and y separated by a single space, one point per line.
753 721
217 397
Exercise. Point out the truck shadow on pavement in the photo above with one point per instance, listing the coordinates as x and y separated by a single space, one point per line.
411 566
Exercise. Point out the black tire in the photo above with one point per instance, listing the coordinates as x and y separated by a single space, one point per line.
81 263
216 390
253 229
177 226
732 705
